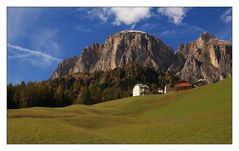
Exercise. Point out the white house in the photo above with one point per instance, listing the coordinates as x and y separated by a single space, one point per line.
140 89
160 91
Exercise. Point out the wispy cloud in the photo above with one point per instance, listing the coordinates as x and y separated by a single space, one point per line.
20 20
184 29
21 25
46 39
149 26
133 26
227 16
196 28
102 13
175 14
19 56
36 57
82 28
168 33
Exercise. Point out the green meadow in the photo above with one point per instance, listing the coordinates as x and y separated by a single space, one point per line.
200 116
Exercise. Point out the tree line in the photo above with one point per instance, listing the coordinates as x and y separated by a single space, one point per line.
85 88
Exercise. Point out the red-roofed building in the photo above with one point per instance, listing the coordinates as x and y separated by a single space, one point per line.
182 85
179 85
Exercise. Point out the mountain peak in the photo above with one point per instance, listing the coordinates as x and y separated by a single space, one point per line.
132 31
121 49
206 36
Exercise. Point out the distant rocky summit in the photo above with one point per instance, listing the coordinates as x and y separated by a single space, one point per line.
207 58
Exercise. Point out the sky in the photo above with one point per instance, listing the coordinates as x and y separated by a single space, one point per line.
40 38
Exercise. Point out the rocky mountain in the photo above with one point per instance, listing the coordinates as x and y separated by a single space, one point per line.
65 67
121 49
87 61
207 58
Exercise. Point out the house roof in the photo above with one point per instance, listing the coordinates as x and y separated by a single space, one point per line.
182 83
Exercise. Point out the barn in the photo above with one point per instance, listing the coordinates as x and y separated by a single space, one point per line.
140 89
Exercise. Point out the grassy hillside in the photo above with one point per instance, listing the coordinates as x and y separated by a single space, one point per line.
200 115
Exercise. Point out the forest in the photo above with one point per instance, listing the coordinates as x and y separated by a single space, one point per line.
85 88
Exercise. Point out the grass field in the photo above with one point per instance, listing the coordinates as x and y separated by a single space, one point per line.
200 115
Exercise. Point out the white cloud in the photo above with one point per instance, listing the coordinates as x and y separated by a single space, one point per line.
36 57
130 15
102 13
227 16
182 30
175 14
122 15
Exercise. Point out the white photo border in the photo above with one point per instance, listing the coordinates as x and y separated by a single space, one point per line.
108 3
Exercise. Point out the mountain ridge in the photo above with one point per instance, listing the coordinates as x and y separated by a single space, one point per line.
208 57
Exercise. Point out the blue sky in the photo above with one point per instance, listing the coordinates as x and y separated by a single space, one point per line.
39 38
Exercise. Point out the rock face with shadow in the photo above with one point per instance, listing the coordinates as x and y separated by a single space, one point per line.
119 50
207 58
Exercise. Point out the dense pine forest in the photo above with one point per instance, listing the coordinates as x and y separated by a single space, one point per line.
85 88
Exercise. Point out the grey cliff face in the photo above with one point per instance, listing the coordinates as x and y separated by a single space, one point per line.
88 59
121 49
206 58
65 67
129 47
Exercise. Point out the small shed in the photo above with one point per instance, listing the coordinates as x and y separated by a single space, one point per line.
168 89
140 89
